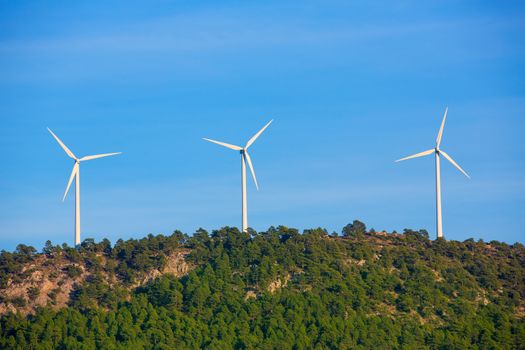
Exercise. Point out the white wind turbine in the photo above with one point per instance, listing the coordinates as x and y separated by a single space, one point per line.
438 152
76 174
245 157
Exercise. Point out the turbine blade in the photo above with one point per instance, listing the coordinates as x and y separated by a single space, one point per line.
64 147
421 154
98 156
254 137
440 134
237 148
73 173
449 158
247 156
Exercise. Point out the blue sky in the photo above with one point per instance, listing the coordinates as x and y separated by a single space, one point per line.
352 86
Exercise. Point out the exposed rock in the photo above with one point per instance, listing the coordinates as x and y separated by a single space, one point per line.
278 283
250 295
175 265
50 283
350 261
380 233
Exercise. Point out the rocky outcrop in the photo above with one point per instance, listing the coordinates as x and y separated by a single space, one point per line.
46 282
51 281
278 283
176 265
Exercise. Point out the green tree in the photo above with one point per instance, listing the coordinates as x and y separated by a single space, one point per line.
357 229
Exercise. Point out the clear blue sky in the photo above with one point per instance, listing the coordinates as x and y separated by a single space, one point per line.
352 86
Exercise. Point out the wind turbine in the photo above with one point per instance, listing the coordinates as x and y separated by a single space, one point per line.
245 158
75 173
438 152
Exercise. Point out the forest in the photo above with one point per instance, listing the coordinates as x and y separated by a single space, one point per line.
278 289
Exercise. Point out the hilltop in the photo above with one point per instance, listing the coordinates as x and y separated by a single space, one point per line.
274 289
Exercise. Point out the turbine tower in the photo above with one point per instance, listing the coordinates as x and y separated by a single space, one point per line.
245 158
438 153
76 174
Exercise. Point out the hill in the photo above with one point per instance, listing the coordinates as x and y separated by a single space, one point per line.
277 289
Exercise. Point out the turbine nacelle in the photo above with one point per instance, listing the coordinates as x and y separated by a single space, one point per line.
437 150
244 150
76 166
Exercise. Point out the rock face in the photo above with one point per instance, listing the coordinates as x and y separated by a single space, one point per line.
46 284
51 282
278 284
175 265
250 295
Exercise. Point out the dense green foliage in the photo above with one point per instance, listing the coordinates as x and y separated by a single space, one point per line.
284 290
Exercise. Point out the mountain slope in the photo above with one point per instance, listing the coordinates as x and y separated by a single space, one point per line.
276 289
